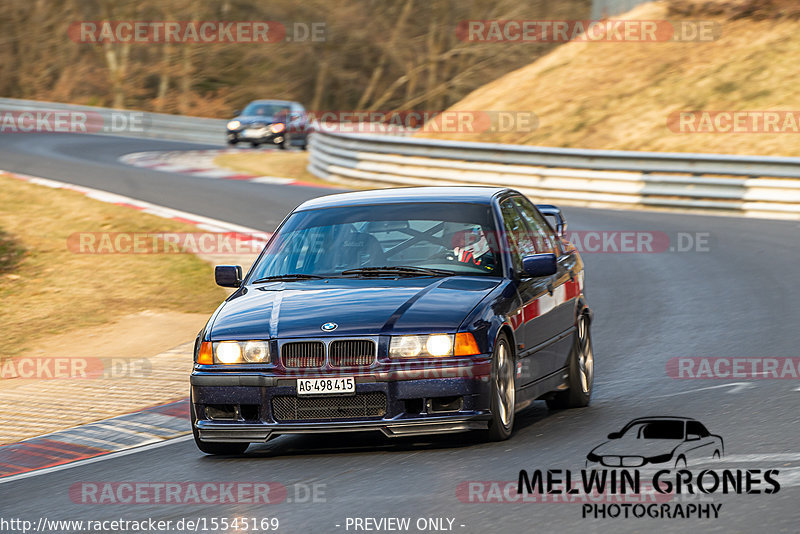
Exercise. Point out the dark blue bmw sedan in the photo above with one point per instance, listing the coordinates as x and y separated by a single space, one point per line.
406 311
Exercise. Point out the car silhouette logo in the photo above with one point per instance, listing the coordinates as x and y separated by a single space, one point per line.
675 441
329 327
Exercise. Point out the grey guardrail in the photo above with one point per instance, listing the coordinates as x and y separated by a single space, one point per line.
754 185
130 123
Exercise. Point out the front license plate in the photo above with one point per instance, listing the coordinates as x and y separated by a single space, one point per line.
251 133
326 386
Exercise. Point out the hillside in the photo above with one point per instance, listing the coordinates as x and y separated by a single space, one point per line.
620 95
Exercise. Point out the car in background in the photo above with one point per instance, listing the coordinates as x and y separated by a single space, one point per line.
675 441
407 311
270 122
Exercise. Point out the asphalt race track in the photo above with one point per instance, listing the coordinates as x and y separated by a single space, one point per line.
737 299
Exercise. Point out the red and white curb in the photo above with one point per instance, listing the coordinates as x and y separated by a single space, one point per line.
251 236
138 429
200 163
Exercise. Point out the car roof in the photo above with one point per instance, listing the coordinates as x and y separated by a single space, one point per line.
470 194
273 102
661 418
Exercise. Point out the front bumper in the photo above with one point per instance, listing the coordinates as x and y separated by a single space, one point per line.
414 403
261 136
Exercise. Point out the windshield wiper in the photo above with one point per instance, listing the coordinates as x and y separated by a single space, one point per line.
401 270
287 278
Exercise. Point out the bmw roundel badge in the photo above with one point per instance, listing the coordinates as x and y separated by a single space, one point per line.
329 327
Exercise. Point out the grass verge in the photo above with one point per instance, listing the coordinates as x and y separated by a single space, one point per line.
48 289
283 164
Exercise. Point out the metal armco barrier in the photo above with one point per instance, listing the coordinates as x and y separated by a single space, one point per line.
743 185
130 123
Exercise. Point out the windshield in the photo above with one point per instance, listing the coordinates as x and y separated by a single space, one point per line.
656 430
266 110
456 237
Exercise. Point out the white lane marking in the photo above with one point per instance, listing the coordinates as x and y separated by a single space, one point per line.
789 477
741 386
170 167
271 180
736 388
88 461
212 173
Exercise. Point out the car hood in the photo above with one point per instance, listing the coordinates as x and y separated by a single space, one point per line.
261 119
357 306
636 447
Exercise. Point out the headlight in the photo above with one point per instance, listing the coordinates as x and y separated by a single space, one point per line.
278 127
660 459
233 125
256 351
406 346
428 346
230 352
439 345
433 346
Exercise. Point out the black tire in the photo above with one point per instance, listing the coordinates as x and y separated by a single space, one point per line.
215 447
580 368
253 144
503 391
285 143
232 142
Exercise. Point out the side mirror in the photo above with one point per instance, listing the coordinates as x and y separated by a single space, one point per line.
553 213
540 265
228 275
614 435
692 437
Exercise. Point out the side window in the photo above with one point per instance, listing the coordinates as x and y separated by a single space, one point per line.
519 241
695 427
540 231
